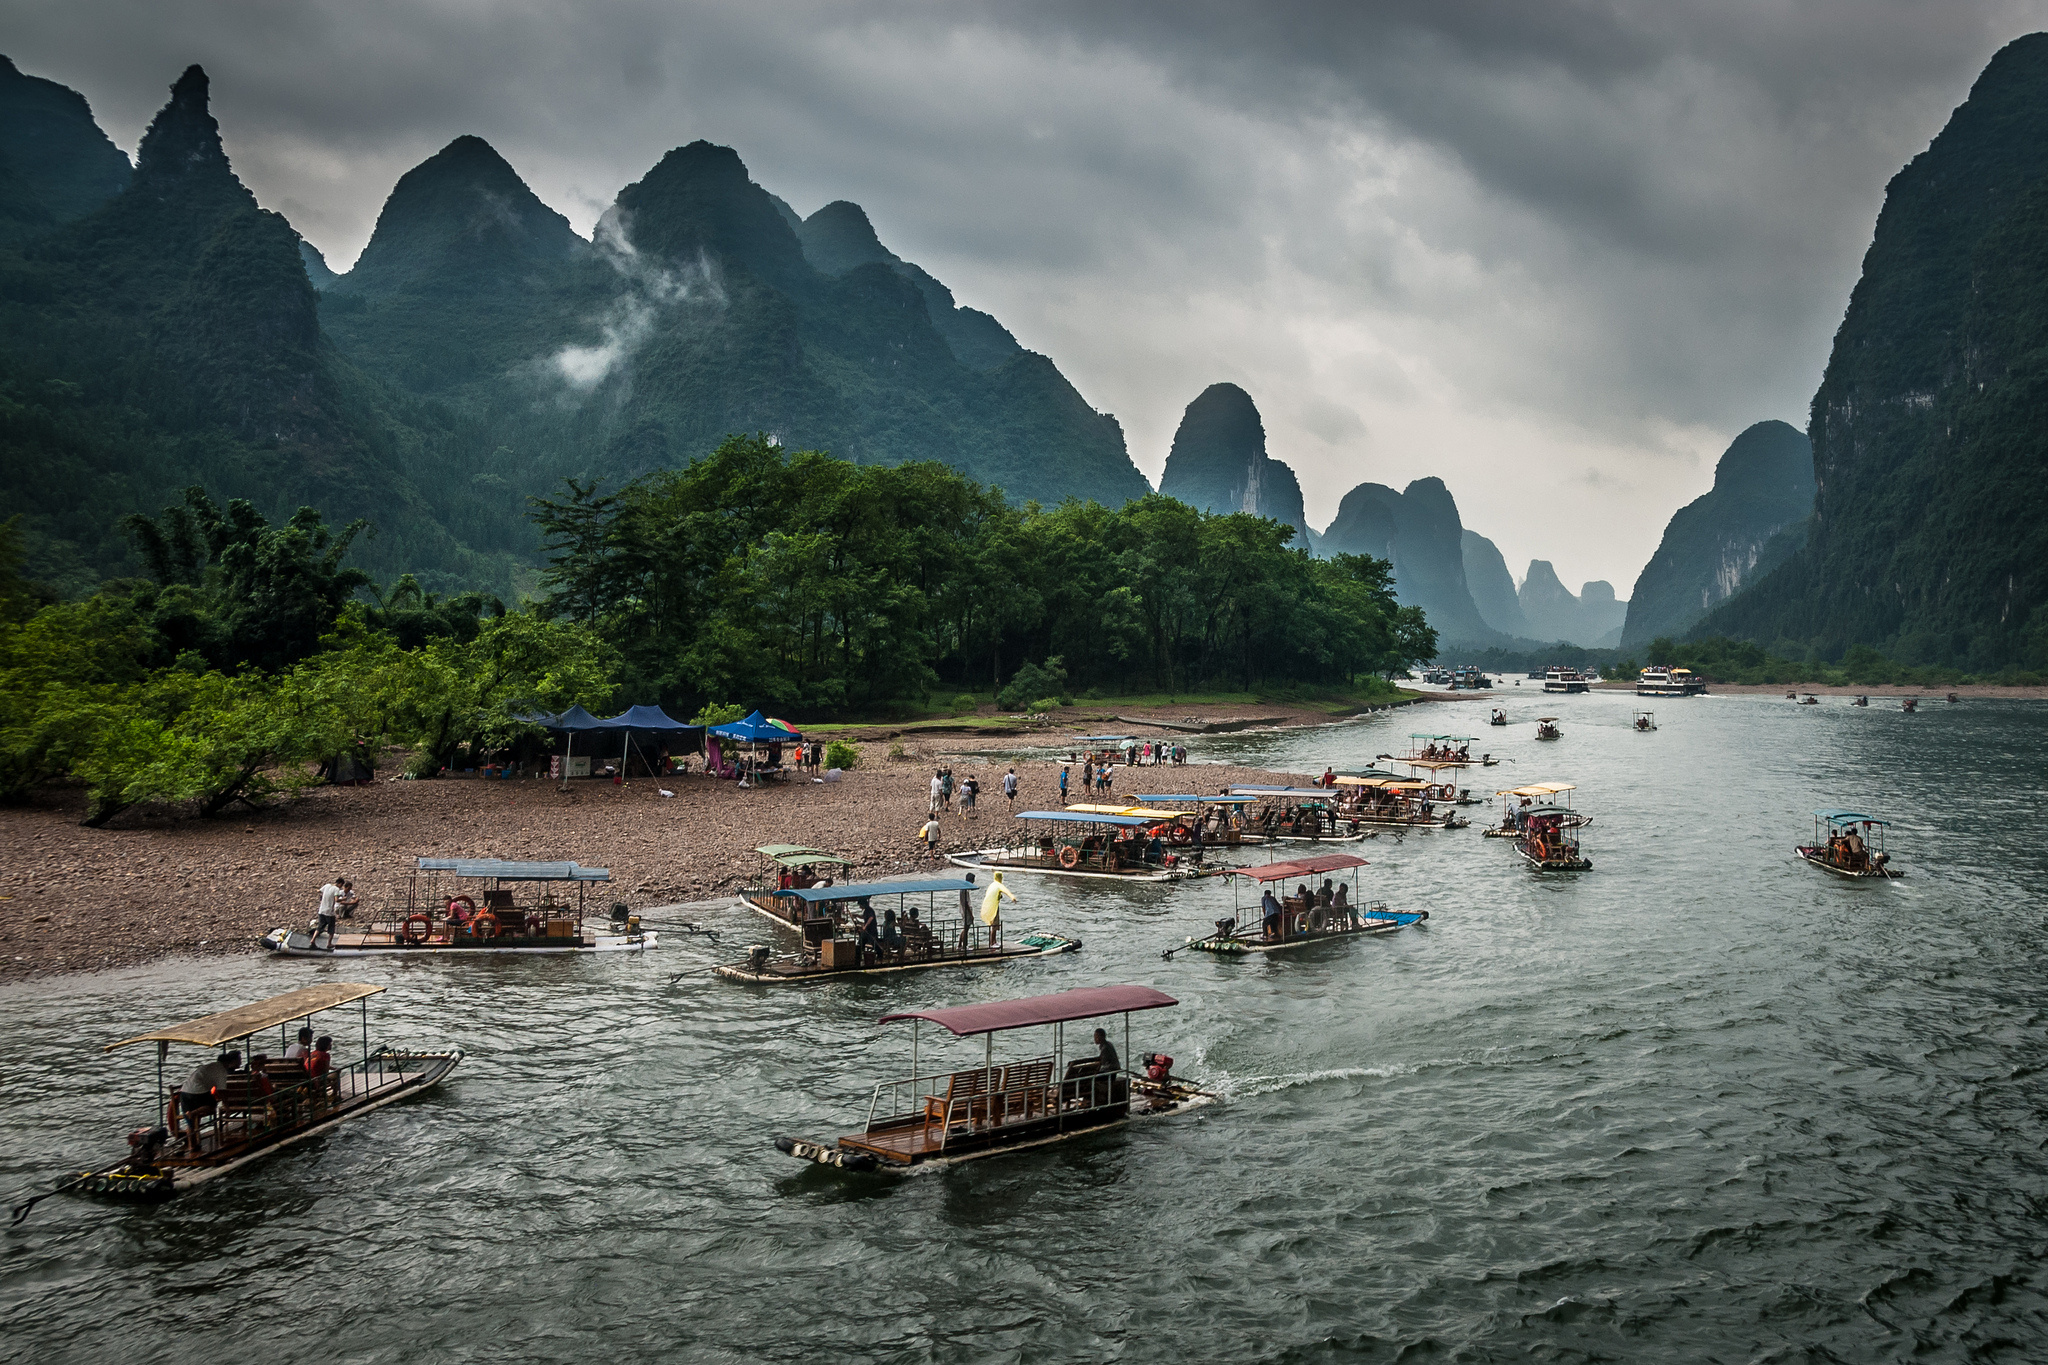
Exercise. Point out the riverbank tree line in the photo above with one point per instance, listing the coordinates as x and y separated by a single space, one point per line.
252 659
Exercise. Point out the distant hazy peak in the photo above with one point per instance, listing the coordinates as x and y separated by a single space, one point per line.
182 149
1597 592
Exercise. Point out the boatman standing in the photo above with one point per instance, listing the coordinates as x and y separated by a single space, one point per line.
966 915
992 909
339 892
1063 784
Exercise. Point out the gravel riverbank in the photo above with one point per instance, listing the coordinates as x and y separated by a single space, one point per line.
76 899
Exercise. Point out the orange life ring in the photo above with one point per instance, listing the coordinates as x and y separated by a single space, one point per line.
416 936
1181 835
476 926
1070 856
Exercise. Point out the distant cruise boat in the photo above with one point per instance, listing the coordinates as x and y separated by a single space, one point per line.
1659 681
1559 679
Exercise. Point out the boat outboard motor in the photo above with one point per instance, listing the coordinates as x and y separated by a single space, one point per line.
1158 1068
146 1144
620 912
1226 927
757 958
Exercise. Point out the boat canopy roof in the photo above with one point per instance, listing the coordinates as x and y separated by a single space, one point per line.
214 1029
506 870
1540 789
1301 867
1848 817
1534 811
1431 764
1076 817
1546 719
1190 796
796 855
855 890
1283 791
1140 811
1100 739
1083 1002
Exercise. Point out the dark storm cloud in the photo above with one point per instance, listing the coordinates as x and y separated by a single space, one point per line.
1556 253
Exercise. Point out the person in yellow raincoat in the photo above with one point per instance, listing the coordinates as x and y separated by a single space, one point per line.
992 909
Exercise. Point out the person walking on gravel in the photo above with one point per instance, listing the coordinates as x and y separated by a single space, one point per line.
1010 787
938 792
930 835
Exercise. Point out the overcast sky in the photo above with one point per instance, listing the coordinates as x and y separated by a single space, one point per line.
1557 254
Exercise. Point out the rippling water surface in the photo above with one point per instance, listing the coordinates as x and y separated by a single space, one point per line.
1701 1103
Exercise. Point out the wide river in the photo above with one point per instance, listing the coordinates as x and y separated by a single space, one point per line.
1702 1102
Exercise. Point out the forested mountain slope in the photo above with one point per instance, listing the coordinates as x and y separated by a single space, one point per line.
170 337
699 311
1929 537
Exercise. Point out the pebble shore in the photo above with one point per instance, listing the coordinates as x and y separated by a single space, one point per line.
161 883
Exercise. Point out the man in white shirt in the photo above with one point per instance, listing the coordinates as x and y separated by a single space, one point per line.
1010 787
938 793
196 1096
336 893
930 835
297 1051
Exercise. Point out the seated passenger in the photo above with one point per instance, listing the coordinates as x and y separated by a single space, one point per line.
320 1068
198 1097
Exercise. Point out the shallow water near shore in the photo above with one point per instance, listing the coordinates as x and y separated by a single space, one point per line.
1700 1103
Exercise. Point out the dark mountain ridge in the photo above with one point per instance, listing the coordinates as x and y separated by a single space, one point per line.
1419 531
1929 537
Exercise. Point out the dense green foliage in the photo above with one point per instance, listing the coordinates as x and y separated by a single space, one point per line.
824 586
1929 541
247 663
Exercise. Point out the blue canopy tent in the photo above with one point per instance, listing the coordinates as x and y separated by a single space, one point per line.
754 731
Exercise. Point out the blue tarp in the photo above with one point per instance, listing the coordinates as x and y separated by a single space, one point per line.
755 729
855 890
645 718
1207 800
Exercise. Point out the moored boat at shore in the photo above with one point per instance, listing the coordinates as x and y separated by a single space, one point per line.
1850 844
443 918
1310 915
787 866
1087 844
240 1115
933 1120
1305 815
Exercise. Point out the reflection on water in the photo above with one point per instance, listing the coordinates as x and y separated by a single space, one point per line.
1700 1103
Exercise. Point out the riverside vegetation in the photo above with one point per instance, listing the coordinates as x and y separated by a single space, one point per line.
251 656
